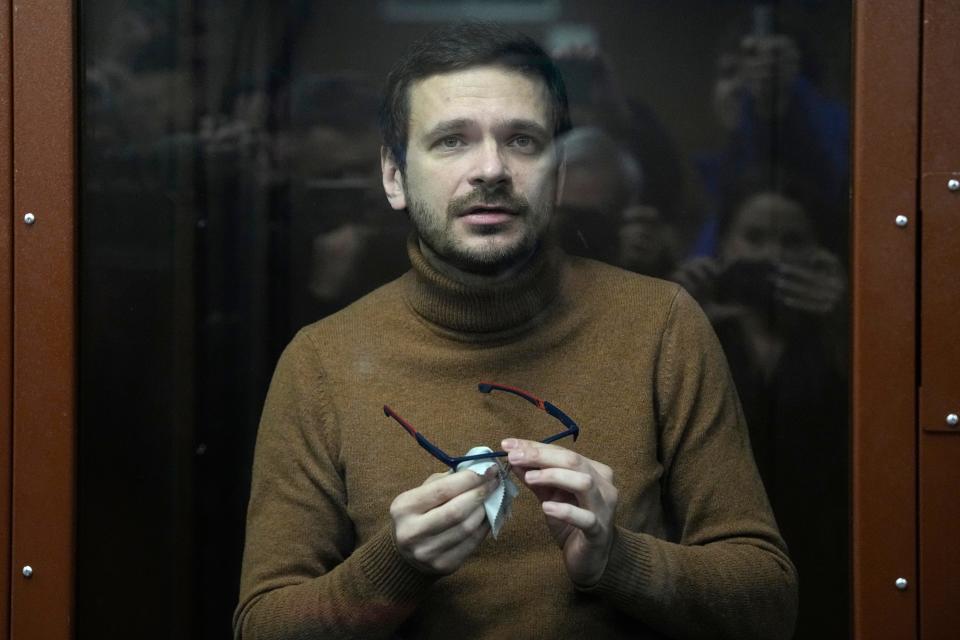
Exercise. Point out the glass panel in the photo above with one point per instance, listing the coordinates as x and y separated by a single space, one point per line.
231 194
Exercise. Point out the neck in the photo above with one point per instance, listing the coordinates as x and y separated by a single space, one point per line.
477 306
474 278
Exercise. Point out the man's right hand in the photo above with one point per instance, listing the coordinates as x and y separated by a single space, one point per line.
439 524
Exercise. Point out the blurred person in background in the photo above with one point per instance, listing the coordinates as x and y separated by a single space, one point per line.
600 180
647 243
637 142
776 121
601 210
778 302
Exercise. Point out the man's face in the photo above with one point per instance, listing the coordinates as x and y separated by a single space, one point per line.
480 178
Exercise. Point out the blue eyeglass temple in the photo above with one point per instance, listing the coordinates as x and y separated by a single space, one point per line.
549 407
487 387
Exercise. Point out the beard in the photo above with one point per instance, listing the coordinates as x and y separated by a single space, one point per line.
483 255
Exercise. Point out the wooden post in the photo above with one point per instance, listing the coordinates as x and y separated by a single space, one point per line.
884 466
44 320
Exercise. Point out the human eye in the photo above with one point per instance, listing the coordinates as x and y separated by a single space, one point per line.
524 143
450 142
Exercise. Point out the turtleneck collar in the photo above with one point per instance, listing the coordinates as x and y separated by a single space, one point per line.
482 308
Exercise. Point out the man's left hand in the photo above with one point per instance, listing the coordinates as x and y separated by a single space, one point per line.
577 496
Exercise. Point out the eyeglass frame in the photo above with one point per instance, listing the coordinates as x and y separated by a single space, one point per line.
486 387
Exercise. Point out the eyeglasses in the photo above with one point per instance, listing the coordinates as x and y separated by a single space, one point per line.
486 387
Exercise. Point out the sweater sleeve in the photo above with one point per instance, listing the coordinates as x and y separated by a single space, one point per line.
301 575
725 573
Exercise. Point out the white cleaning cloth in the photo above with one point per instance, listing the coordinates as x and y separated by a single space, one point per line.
497 504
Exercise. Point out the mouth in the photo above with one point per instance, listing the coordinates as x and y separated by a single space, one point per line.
488 214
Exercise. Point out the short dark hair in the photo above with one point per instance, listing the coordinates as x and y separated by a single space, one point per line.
457 47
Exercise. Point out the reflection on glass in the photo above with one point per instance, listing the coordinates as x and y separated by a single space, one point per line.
231 194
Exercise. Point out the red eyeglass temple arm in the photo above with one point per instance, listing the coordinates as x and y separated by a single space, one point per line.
487 387
431 448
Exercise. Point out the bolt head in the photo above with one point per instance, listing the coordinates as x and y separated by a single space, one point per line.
953 419
901 584
27 571
902 221
29 218
953 184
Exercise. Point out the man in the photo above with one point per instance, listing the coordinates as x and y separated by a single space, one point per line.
653 524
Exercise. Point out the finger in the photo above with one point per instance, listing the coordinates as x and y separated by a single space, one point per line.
814 293
450 514
452 559
800 290
437 476
546 493
436 491
704 270
710 267
827 284
697 277
801 274
818 308
812 272
603 470
804 304
435 545
575 516
582 485
528 453
585 490
701 278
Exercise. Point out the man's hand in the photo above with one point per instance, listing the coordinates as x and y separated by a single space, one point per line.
578 497
439 524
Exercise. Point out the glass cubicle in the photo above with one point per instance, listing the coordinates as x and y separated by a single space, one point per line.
230 194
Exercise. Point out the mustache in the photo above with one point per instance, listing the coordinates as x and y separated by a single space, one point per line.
496 197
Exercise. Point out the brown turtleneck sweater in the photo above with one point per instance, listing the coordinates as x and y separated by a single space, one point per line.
631 359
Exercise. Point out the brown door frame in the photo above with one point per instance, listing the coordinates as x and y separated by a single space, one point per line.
42 46
939 313
6 308
884 464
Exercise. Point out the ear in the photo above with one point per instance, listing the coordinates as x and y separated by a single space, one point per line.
392 180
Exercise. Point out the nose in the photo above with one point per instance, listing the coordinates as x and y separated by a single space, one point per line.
489 168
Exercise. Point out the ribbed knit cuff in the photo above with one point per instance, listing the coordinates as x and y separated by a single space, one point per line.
381 562
629 569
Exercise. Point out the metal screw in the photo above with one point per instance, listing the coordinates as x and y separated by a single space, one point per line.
953 419
901 584
29 218
953 184
27 571
902 221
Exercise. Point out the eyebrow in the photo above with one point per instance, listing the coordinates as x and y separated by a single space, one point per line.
522 125
447 127
528 126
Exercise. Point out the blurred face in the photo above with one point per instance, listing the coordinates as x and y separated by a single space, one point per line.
646 245
480 178
769 227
